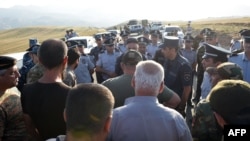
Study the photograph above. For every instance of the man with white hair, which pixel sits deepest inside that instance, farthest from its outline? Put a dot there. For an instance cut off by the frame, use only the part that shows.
(142, 117)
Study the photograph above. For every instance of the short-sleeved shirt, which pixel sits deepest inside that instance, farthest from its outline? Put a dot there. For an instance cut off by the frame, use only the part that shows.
(95, 52)
(151, 49)
(107, 62)
(69, 77)
(190, 55)
(45, 103)
(122, 48)
(144, 119)
(12, 126)
(178, 73)
(121, 89)
(82, 71)
(244, 63)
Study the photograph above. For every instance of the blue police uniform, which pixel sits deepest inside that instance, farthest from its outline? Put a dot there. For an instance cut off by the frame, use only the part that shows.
(122, 47)
(178, 73)
(152, 48)
(244, 63)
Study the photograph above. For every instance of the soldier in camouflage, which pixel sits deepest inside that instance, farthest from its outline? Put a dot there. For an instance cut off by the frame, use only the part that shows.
(204, 125)
(36, 72)
(12, 126)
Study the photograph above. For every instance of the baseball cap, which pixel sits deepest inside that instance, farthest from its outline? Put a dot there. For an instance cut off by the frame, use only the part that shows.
(7, 62)
(227, 70)
(230, 99)
(132, 57)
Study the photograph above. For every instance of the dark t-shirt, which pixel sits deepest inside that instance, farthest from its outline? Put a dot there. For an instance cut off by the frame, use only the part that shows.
(45, 103)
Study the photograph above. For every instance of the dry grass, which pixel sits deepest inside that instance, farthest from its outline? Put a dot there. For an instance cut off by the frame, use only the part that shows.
(17, 40)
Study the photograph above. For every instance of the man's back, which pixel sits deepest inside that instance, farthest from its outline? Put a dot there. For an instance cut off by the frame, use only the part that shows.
(143, 118)
(45, 103)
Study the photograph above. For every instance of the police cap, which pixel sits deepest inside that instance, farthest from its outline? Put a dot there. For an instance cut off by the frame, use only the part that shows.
(212, 51)
(171, 42)
(7, 62)
(188, 37)
(204, 30)
(143, 40)
(98, 37)
(246, 35)
(210, 34)
(132, 40)
(109, 42)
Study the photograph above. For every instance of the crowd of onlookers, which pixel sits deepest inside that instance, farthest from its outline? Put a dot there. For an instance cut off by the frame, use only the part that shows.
(134, 90)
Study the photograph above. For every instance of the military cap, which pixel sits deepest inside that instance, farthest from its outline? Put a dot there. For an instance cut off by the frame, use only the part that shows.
(205, 30)
(123, 33)
(215, 51)
(143, 40)
(109, 42)
(246, 35)
(230, 99)
(171, 42)
(132, 57)
(227, 70)
(132, 40)
(7, 62)
(188, 37)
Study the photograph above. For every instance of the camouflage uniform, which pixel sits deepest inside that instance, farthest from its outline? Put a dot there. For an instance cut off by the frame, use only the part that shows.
(35, 73)
(69, 77)
(204, 125)
(12, 127)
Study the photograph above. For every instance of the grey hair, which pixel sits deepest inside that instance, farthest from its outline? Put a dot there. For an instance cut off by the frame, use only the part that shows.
(148, 74)
(3, 71)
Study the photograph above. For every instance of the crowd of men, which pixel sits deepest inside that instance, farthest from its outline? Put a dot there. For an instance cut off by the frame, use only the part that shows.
(133, 90)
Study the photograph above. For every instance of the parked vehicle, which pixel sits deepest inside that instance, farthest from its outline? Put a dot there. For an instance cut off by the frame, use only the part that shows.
(135, 28)
(87, 41)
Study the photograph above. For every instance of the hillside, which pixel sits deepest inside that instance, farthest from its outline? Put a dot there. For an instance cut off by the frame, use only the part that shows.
(16, 40)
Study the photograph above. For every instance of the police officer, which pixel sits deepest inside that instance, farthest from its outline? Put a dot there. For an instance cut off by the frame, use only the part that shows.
(210, 37)
(178, 72)
(143, 43)
(243, 58)
(154, 45)
(27, 65)
(213, 56)
(190, 54)
(36, 72)
(107, 60)
(122, 45)
(95, 52)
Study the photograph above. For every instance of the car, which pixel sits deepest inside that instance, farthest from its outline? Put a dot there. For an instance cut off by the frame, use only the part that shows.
(18, 56)
(136, 28)
(87, 41)
(156, 26)
(169, 31)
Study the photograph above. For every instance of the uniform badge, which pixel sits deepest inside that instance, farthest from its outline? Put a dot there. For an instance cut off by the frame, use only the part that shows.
(187, 76)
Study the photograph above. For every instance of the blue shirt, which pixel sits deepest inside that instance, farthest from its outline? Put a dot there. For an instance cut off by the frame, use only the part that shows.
(178, 73)
(82, 71)
(144, 119)
(107, 62)
(152, 48)
(244, 63)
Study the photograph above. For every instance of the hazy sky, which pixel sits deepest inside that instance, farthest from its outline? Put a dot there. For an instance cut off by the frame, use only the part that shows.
(150, 9)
